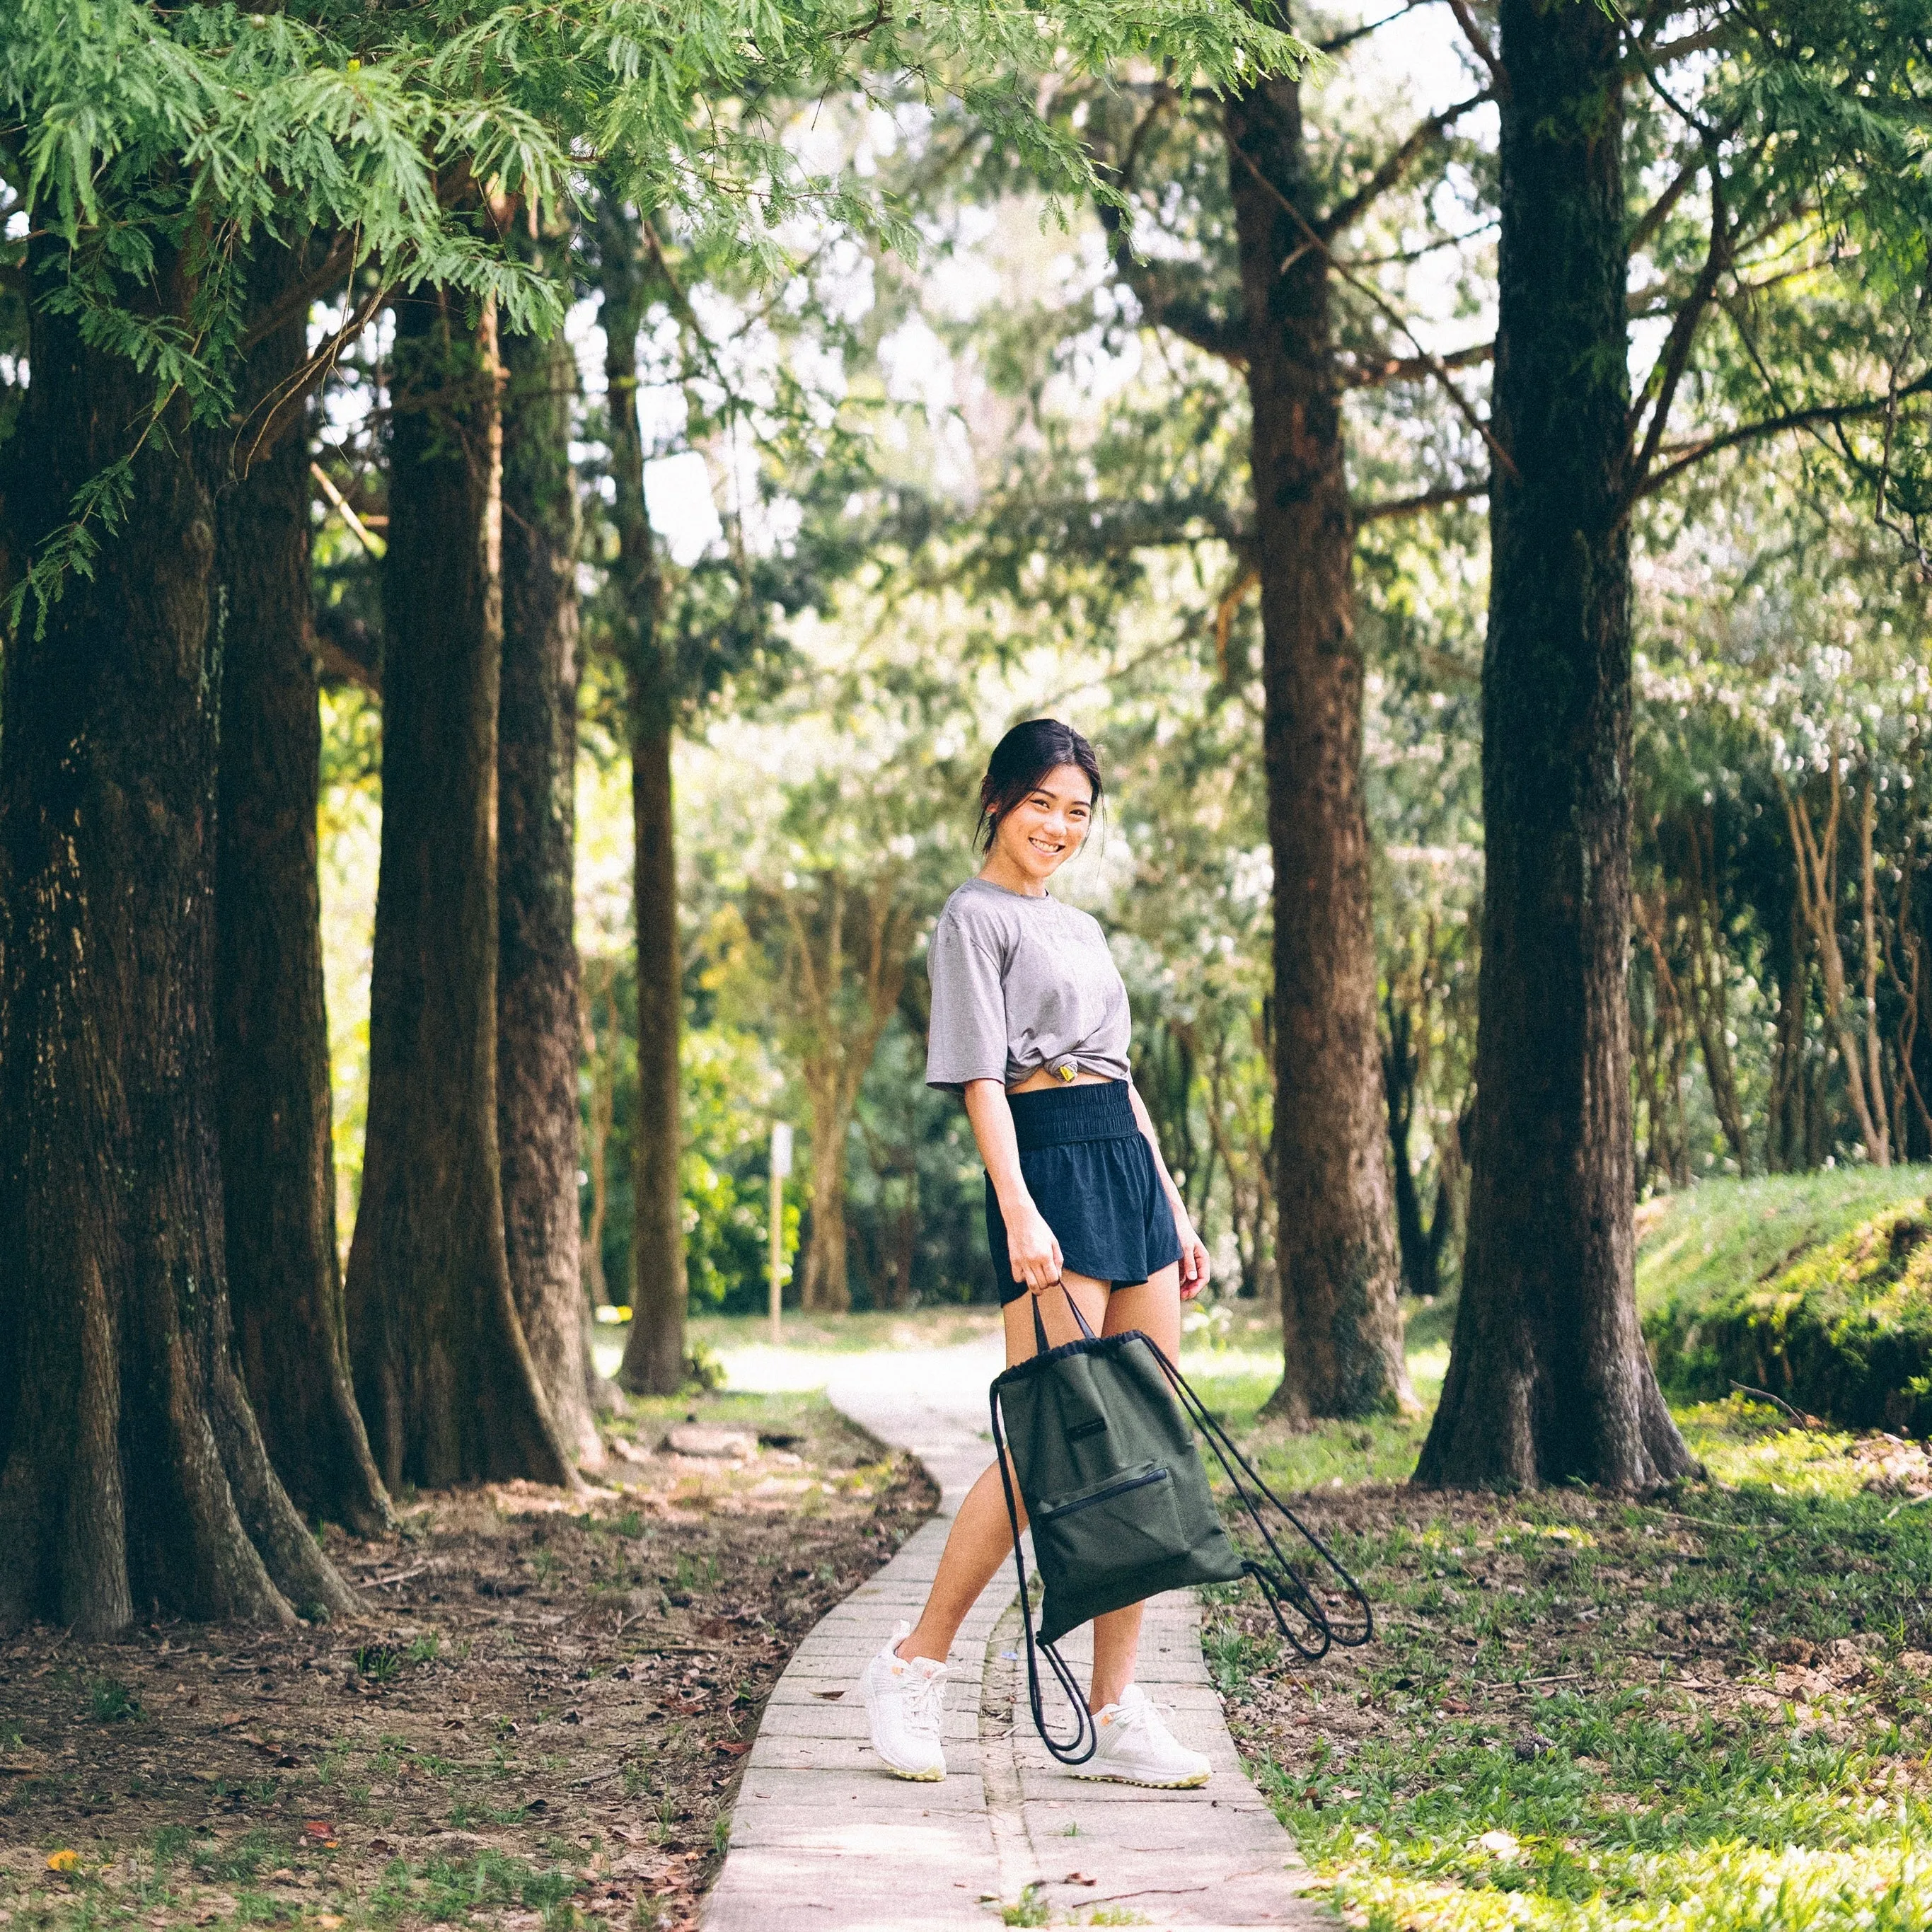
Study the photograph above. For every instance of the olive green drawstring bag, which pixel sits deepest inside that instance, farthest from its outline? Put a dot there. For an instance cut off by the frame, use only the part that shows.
(1095, 1433)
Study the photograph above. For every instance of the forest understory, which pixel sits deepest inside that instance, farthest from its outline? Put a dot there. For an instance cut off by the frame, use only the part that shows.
(540, 1722)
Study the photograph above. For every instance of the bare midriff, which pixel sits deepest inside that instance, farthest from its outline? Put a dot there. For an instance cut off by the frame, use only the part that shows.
(1045, 1076)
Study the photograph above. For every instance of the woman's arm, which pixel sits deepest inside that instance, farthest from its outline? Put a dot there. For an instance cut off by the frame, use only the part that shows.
(1193, 1254)
(1030, 1246)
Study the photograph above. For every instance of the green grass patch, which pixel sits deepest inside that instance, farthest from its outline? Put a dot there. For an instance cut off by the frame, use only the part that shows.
(1817, 1287)
(1710, 1712)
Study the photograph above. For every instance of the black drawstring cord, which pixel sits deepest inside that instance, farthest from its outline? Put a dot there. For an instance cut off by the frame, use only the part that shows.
(1084, 1734)
(1285, 1583)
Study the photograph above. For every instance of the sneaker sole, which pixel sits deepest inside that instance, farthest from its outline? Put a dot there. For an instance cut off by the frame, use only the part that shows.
(1147, 1783)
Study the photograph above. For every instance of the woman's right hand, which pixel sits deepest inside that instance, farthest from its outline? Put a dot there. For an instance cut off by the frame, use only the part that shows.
(1031, 1248)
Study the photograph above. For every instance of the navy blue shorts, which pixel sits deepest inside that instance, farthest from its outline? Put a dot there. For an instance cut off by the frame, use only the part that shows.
(1091, 1174)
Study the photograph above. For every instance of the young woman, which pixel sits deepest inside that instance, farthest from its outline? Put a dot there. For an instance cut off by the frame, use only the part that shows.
(1030, 1025)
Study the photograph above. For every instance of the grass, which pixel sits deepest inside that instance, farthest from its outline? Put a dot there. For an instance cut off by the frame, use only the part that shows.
(1697, 1245)
(1817, 1287)
(1712, 1712)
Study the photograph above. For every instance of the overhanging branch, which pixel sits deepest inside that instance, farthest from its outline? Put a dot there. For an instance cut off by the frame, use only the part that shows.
(1823, 415)
(1410, 506)
(1348, 212)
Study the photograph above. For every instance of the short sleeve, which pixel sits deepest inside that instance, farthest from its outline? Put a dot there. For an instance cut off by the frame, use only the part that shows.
(966, 1039)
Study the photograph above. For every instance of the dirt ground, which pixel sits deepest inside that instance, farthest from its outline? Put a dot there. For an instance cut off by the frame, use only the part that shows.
(540, 1722)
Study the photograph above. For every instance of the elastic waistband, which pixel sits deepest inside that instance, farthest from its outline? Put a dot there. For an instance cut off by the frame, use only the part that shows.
(1060, 1116)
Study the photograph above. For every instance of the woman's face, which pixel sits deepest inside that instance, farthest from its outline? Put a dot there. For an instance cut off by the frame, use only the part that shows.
(1041, 831)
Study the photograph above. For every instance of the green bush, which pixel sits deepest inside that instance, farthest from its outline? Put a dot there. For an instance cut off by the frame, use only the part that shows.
(1838, 1323)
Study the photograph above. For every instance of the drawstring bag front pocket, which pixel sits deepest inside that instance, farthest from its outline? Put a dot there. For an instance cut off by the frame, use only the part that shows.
(1099, 1434)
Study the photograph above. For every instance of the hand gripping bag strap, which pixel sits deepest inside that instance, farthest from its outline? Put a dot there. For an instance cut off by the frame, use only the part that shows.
(1085, 1740)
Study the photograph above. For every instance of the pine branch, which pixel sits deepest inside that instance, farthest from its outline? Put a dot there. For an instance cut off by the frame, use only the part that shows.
(1410, 506)
(1464, 407)
(1683, 334)
(1823, 415)
(1415, 368)
(1397, 163)
(1477, 39)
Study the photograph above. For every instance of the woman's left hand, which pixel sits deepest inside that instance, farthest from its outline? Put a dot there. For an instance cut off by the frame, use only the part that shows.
(1193, 1256)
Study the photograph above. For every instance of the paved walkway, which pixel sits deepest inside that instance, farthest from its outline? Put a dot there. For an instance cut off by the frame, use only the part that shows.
(823, 1837)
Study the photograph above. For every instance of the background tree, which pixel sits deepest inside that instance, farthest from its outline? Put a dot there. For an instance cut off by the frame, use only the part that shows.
(1548, 1379)
(539, 997)
(277, 1156)
(134, 1471)
(443, 1371)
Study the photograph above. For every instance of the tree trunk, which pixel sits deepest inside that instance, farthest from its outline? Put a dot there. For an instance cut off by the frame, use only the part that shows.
(826, 1286)
(1784, 1117)
(654, 1352)
(277, 1157)
(538, 1027)
(1341, 1326)
(132, 1473)
(442, 1371)
(1400, 1071)
(1548, 1379)
(597, 981)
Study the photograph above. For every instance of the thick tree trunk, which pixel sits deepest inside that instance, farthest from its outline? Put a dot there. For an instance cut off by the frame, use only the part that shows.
(277, 1158)
(538, 1024)
(1342, 1325)
(1548, 1379)
(442, 1371)
(654, 1352)
(133, 1474)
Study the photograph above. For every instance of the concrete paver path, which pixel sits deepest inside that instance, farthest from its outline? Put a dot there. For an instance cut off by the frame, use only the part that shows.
(824, 1836)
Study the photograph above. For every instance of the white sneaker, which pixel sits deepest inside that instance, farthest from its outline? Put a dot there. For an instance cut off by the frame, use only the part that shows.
(1133, 1746)
(904, 1699)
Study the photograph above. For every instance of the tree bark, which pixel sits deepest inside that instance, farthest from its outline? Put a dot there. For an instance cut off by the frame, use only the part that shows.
(1341, 1325)
(278, 1157)
(825, 1285)
(1419, 1244)
(538, 1024)
(443, 1372)
(1548, 1380)
(133, 1474)
(654, 1351)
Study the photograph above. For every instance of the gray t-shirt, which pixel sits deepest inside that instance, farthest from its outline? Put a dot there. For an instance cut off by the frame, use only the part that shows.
(1019, 983)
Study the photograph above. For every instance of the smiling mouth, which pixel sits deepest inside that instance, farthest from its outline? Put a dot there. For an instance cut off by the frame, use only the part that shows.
(1050, 851)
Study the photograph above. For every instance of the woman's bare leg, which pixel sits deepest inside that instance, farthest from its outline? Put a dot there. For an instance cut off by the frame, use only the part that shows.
(981, 1539)
(1153, 1306)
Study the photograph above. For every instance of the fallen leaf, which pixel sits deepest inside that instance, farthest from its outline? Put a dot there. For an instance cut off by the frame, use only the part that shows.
(1078, 1878)
(830, 1696)
(228, 1719)
(737, 1750)
(1502, 1843)
(328, 1921)
(63, 1861)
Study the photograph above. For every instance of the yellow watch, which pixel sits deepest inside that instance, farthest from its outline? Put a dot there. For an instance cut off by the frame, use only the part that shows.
(1067, 1069)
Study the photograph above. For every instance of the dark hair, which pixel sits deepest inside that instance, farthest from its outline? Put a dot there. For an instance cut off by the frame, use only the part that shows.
(1022, 759)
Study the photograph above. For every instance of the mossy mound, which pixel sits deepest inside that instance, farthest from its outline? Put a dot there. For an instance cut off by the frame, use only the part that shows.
(1842, 1329)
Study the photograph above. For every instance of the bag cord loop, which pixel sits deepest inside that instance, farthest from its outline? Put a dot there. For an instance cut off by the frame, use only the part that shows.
(1281, 1585)
(1086, 1740)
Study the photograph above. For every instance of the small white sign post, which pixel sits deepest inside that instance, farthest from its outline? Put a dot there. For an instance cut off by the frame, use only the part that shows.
(781, 1168)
